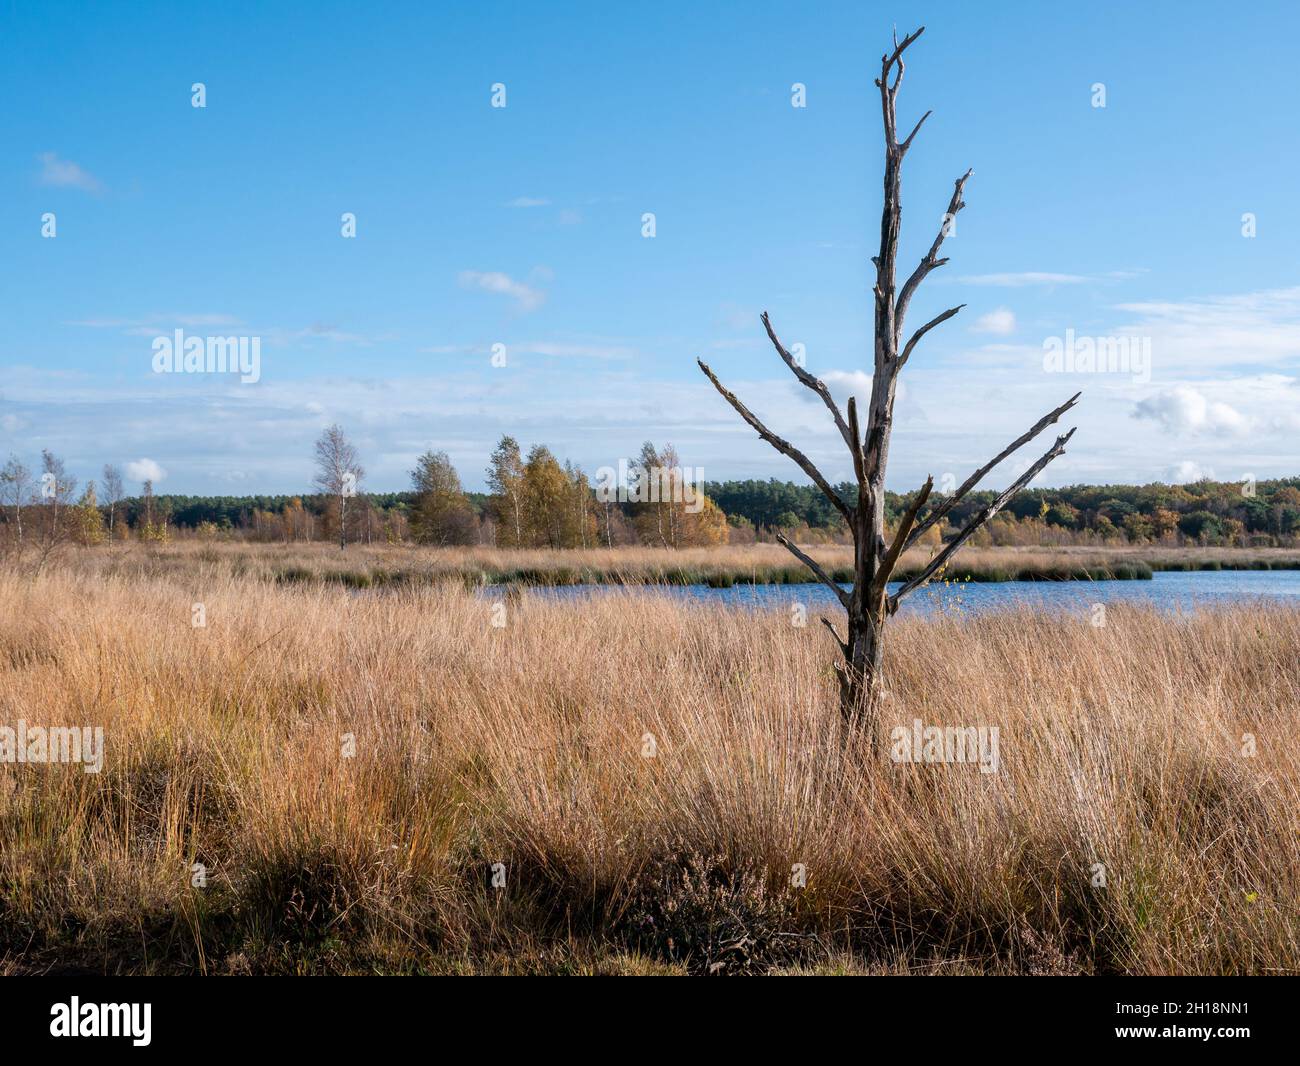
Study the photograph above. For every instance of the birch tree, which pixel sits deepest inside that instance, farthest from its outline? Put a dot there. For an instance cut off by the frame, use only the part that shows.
(15, 488)
(113, 494)
(505, 478)
(338, 474)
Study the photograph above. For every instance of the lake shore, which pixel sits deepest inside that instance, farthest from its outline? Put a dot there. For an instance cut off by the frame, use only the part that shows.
(369, 566)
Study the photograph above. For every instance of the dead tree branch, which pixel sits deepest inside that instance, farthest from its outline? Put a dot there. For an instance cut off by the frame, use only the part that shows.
(955, 498)
(931, 260)
(899, 545)
(779, 443)
(937, 320)
(816, 568)
(978, 520)
(816, 384)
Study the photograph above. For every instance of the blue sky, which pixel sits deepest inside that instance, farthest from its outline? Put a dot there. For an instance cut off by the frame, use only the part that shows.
(522, 226)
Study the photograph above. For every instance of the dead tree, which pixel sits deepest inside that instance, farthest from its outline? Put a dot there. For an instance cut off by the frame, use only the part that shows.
(868, 603)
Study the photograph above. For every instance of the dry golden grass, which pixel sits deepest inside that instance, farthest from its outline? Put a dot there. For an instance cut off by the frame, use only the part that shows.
(524, 745)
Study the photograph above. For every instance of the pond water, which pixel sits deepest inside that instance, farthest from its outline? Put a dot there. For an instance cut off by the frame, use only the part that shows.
(1172, 590)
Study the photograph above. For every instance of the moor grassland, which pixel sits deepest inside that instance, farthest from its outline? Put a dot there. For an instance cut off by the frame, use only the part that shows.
(382, 780)
(379, 564)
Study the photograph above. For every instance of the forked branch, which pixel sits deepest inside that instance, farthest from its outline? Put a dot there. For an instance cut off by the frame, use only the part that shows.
(955, 498)
(978, 520)
(896, 57)
(931, 260)
(907, 143)
(816, 384)
(889, 93)
(937, 320)
(780, 444)
(844, 644)
(816, 568)
(855, 431)
(900, 537)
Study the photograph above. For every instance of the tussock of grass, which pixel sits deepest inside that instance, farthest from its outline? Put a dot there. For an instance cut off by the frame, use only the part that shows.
(524, 746)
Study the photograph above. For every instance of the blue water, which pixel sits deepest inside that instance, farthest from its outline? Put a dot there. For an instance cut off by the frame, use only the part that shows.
(1171, 590)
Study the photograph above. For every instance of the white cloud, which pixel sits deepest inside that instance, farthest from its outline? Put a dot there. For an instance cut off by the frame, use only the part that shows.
(1028, 277)
(855, 383)
(958, 411)
(319, 331)
(1002, 322)
(145, 470)
(945, 423)
(1188, 471)
(1184, 410)
(62, 173)
(157, 320)
(1042, 277)
(155, 323)
(1257, 328)
(553, 349)
(528, 201)
(579, 351)
(525, 296)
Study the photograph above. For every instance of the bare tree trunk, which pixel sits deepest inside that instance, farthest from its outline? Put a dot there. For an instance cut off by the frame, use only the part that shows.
(859, 675)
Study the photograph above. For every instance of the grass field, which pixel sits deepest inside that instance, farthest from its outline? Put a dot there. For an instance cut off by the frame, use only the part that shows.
(391, 783)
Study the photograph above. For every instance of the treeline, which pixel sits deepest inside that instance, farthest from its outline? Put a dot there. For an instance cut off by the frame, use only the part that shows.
(1251, 514)
(537, 501)
(1205, 512)
(229, 512)
(778, 505)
